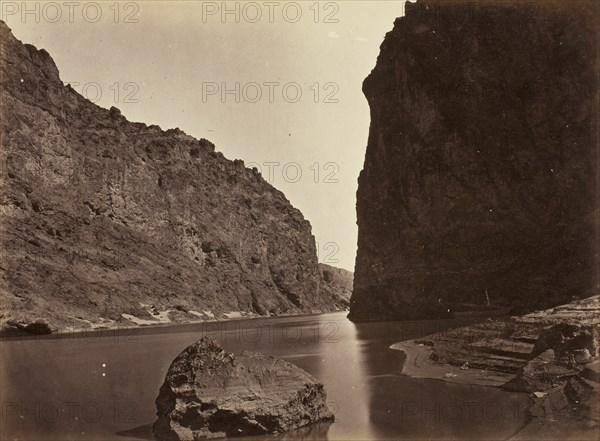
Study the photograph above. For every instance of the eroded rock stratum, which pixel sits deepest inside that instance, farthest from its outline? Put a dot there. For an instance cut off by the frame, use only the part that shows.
(481, 173)
(102, 217)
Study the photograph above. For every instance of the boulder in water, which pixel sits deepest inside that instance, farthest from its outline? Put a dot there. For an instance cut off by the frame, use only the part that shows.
(209, 393)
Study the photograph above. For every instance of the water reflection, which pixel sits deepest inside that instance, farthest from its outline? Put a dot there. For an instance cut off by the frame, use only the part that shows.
(103, 388)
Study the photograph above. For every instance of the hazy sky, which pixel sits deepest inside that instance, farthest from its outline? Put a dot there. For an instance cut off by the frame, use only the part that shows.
(298, 69)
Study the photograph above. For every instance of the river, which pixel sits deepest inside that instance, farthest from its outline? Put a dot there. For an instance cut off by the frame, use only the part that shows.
(102, 386)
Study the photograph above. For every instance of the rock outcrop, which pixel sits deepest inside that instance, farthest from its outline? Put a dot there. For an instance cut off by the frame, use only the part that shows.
(209, 393)
(508, 345)
(552, 354)
(481, 173)
(107, 221)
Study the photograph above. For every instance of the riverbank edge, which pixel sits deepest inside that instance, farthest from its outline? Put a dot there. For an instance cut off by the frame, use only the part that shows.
(541, 423)
(418, 364)
(123, 328)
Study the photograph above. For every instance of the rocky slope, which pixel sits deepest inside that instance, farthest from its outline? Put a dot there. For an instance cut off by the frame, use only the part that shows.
(337, 282)
(107, 221)
(209, 393)
(481, 172)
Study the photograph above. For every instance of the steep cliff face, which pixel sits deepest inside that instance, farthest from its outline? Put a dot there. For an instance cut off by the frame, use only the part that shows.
(102, 217)
(337, 282)
(481, 173)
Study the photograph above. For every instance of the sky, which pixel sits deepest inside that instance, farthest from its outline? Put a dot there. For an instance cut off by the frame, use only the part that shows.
(277, 84)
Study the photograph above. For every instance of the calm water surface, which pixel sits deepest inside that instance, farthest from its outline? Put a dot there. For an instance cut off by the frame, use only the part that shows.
(103, 386)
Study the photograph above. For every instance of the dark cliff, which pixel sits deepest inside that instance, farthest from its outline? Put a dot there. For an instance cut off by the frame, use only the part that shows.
(102, 217)
(481, 173)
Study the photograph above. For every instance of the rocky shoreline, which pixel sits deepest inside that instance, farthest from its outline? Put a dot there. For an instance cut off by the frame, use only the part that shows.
(336, 282)
(553, 355)
(18, 330)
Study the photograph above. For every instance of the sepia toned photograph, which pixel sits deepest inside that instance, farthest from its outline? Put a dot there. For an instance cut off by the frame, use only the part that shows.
(347, 220)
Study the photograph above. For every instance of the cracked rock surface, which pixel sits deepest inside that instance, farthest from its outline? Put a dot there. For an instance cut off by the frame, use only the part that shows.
(209, 393)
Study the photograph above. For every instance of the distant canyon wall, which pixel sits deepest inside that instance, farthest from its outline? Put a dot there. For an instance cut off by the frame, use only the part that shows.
(480, 178)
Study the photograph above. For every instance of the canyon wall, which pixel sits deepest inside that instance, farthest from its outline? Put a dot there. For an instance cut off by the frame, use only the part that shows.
(105, 221)
(338, 282)
(480, 181)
